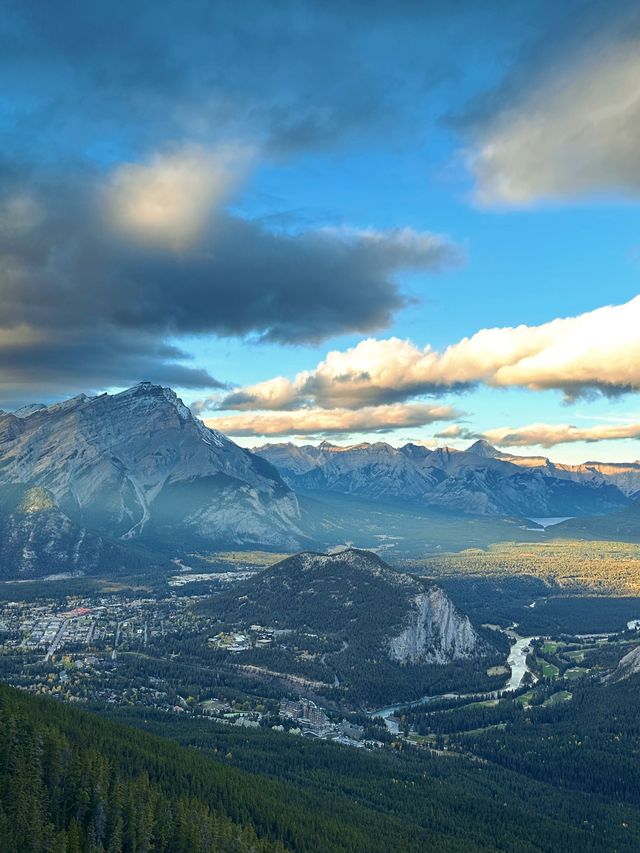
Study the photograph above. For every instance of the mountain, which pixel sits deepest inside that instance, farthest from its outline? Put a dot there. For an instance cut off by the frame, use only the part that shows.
(38, 540)
(479, 480)
(356, 594)
(374, 470)
(139, 466)
(624, 475)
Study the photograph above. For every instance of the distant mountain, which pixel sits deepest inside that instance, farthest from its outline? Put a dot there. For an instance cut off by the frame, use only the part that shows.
(624, 475)
(357, 596)
(480, 480)
(139, 466)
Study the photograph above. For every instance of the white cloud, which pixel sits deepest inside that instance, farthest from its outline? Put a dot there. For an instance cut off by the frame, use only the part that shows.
(453, 431)
(169, 200)
(332, 421)
(596, 351)
(548, 435)
(576, 132)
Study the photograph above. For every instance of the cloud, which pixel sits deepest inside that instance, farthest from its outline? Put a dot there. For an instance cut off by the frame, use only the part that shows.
(453, 431)
(153, 258)
(548, 435)
(38, 364)
(595, 352)
(169, 200)
(292, 76)
(332, 421)
(575, 132)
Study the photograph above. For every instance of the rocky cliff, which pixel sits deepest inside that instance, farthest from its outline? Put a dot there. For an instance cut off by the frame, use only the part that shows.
(436, 632)
(628, 666)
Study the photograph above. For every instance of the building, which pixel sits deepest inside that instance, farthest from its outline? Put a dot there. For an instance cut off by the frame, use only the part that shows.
(306, 713)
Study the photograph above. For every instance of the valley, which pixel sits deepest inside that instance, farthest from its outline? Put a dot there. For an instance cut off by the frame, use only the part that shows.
(191, 654)
(428, 615)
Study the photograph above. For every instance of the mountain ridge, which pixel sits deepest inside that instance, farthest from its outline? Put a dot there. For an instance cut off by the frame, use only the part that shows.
(479, 480)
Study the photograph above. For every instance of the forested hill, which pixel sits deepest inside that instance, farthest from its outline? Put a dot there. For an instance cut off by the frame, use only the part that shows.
(72, 782)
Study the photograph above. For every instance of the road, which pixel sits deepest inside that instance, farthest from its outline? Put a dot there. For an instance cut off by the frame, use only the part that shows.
(115, 645)
(56, 641)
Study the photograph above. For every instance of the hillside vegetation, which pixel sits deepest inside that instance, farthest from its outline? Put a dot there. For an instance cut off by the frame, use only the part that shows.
(607, 568)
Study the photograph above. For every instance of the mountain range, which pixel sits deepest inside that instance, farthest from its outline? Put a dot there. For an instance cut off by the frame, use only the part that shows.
(479, 480)
(83, 479)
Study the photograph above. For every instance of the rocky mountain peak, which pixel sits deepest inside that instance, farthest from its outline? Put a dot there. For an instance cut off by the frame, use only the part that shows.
(117, 461)
(481, 447)
(30, 409)
(415, 451)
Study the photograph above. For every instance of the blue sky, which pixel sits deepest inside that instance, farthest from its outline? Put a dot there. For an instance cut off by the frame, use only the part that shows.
(216, 201)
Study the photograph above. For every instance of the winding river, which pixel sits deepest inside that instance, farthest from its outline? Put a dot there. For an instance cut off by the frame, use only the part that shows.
(517, 660)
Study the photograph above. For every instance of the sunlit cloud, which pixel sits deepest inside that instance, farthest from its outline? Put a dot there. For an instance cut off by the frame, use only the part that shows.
(598, 351)
(577, 132)
(332, 421)
(549, 435)
(170, 199)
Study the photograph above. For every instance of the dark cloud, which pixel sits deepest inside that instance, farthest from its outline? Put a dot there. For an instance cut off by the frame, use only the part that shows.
(95, 304)
(66, 362)
(243, 279)
(101, 80)
(101, 77)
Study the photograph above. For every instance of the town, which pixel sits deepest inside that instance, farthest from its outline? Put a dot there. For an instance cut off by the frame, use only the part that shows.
(104, 650)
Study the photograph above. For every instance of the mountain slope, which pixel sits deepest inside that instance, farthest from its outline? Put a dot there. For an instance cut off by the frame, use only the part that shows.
(71, 782)
(38, 540)
(127, 464)
(356, 594)
(364, 633)
(480, 480)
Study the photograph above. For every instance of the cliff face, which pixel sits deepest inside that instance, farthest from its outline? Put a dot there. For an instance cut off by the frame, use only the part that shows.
(436, 632)
(628, 666)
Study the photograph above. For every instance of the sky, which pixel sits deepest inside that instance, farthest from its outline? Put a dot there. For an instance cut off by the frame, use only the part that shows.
(408, 221)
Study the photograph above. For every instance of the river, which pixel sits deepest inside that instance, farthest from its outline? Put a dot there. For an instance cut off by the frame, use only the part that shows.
(517, 660)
